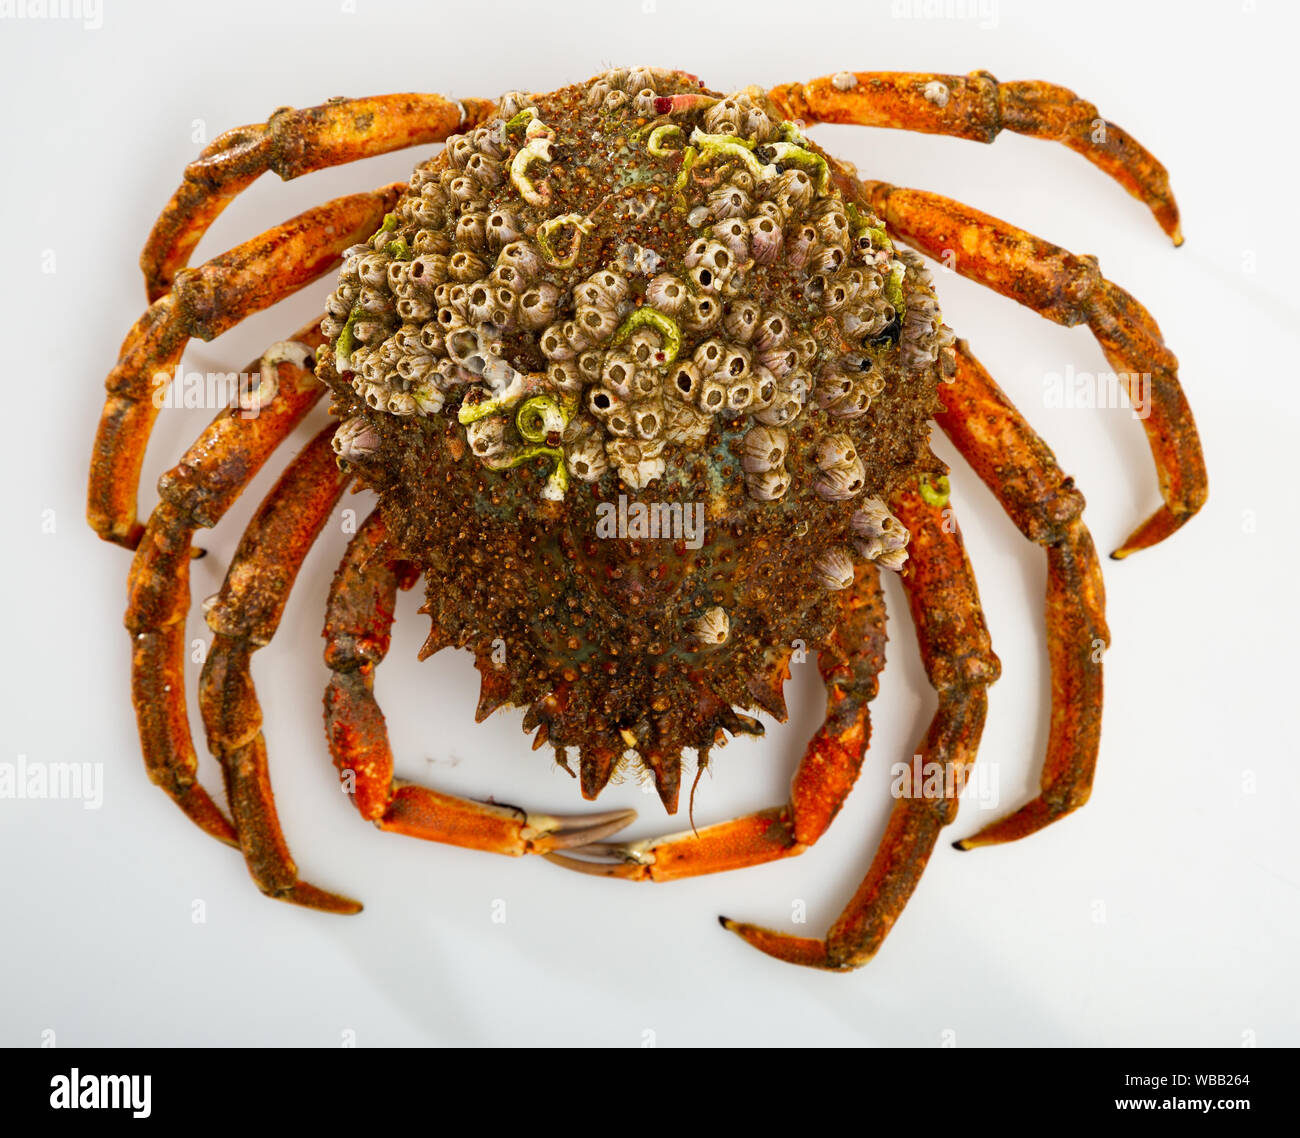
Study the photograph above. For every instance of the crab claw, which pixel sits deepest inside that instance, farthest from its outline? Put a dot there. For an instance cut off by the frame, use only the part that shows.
(629, 860)
(544, 832)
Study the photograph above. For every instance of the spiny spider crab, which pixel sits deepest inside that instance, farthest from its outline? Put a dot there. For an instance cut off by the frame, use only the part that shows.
(636, 289)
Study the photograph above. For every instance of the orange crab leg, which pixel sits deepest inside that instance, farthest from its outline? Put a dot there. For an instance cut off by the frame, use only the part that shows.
(291, 143)
(850, 662)
(960, 664)
(979, 108)
(196, 492)
(1021, 471)
(1069, 290)
(244, 616)
(357, 633)
(207, 301)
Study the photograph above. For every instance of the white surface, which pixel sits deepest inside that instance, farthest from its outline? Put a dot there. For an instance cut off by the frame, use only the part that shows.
(1195, 876)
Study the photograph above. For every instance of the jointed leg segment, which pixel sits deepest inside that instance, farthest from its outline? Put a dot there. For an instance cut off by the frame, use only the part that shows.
(205, 302)
(357, 632)
(1069, 290)
(978, 107)
(291, 143)
(244, 616)
(1021, 471)
(960, 664)
(197, 492)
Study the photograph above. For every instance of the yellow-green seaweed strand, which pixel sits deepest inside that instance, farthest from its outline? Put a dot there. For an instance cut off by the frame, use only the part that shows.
(655, 143)
(934, 492)
(791, 154)
(538, 416)
(345, 343)
(679, 186)
(893, 289)
(522, 118)
(558, 480)
(549, 226)
(669, 333)
(536, 420)
(730, 146)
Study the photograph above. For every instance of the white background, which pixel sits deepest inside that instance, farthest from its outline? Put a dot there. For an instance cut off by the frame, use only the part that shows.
(1165, 913)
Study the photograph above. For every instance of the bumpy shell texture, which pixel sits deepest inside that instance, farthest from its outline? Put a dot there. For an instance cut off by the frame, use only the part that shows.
(633, 369)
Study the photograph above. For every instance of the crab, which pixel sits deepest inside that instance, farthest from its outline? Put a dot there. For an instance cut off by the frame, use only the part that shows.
(643, 380)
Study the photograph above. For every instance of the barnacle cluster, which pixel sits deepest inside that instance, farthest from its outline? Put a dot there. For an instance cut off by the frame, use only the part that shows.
(485, 288)
(649, 288)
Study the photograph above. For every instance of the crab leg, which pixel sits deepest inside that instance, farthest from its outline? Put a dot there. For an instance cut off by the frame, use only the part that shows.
(291, 143)
(960, 664)
(850, 662)
(1069, 290)
(244, 616)
(1021, 471)
(979, 108)
(197, 492)
(206, 302)
(358, 625)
